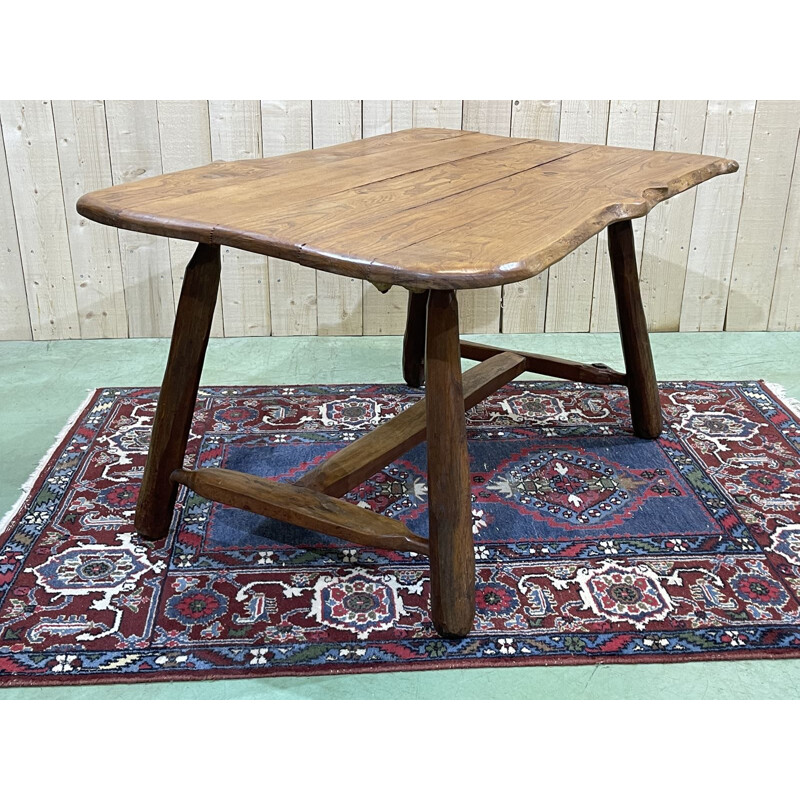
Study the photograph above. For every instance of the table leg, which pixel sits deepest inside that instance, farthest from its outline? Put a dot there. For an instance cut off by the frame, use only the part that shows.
(414, 339)
(641, 375)
(452, 554)
(178, 394)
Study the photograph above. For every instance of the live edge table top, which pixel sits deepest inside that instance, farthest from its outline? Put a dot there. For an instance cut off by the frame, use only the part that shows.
(421, 208)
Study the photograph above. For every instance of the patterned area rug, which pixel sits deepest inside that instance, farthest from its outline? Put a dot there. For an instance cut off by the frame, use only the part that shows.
(591, 545)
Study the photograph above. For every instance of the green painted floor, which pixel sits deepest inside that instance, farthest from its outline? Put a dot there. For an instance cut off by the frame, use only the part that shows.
(43, 383)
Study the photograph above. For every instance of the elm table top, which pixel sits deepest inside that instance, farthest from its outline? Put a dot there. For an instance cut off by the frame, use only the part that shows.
(423, 208)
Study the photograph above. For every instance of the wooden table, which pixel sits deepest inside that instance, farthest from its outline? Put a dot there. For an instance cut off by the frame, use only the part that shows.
(431, 210)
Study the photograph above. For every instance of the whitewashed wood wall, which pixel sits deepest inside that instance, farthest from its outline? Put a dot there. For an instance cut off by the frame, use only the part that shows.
(725, 256)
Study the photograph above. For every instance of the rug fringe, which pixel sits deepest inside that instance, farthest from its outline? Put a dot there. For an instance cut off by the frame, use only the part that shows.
(779, 390)
(34, 476)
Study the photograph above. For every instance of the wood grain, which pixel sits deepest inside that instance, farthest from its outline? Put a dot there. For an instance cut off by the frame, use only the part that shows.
(631, 123)
(480, 310)
(666, 242)
(384, 312)
(452, 554)
(784, 313)
(437, 114)
(85, 165)
(729, 129)
(639, 370)
(386, 116)
(299, 506)
(548, 365)
(761, 221)
(38, 203)
(135, 150)
(571, 283)
(460, 212)
(414, 339)
(176, 400)
(184, 132)
(286, 128)
(525, 302)
(236, 135)
(15, 322)
(339, 304)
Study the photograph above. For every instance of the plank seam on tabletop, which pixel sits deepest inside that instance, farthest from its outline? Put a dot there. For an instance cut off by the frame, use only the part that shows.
(480, 310)
(350, 322)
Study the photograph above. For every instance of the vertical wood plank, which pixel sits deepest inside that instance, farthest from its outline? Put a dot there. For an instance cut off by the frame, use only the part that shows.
(15, 322)
(784, 312)
(570, 282)
(487, 116)
(525, 302)
(384, 313)
(729, 127)
(339, 303)
(681, 124)
(85, 165)
(286, 128)
(766, 194)
(479, 309)
(146, 268)
(235, 135)
(185, 136)
(35, 179)
(385, 116)
(437, 114)
(631, 123)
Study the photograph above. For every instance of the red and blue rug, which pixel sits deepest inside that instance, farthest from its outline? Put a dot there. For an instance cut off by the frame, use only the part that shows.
(591, 545)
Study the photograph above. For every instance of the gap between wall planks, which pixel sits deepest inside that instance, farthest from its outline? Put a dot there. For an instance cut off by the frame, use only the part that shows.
(286, 128)
(135, 150)
(726, 255)
(41, 224)
(15, 321)
(773, 151)
(570, 283)
(339, 298)
(235, 135)
(179, 151)
(681, 125)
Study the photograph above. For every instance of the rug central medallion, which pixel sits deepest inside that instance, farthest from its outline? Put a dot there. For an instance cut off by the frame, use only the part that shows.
(570, 487)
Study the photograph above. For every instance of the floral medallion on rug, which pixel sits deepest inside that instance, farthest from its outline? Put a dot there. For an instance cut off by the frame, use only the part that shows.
(591, 545)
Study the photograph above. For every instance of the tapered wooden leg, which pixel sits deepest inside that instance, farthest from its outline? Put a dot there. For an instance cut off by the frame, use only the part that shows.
(178, 392)
(452, 555)
(414, 339)
(641, 375)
